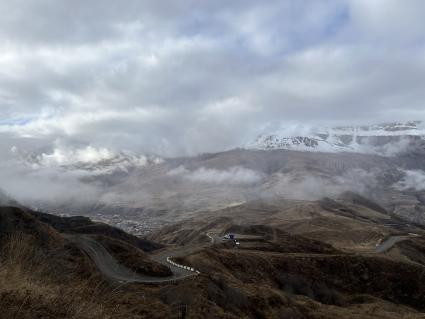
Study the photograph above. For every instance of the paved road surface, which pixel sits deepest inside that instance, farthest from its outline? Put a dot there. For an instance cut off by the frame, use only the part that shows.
(111, 269)
(389, 243)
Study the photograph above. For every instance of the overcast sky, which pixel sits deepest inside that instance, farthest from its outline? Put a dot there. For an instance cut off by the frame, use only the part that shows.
(188, 76)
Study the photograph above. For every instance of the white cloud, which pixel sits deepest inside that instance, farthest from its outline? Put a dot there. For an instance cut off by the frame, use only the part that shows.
(180, 170)
(413, 179)
(48, 184)
(301, 185)
(232, 176)
(69, 157)
(189, 77)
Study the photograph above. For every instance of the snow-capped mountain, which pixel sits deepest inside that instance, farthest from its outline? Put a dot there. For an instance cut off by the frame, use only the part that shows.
(384, 139)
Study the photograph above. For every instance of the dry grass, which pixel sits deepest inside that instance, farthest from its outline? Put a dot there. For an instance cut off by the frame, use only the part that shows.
(26, 290)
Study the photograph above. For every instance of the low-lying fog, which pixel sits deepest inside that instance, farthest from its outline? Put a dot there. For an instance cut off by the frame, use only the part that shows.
(89, 176)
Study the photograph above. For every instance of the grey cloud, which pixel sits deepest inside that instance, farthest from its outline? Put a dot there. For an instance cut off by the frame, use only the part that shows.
(49, 184)
(388, 21)
(187, 77)
(313, 187)
(413, 179)
(232, 176)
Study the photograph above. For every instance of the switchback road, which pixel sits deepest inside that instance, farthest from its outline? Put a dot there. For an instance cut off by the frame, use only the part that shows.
(112, 270)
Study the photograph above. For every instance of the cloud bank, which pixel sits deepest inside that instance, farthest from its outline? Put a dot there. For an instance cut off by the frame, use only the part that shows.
(305, 186)
(412, 180)
(47, 185)
(189, 77)
(236, 175)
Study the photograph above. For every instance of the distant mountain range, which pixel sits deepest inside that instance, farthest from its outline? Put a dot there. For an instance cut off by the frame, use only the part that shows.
(384, 139)
(141, 192)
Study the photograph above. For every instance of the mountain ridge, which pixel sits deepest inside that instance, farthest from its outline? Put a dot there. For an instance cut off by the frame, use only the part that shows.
(384, 139)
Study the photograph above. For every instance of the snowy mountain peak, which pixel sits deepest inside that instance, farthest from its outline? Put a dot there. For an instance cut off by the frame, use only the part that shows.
(383, 139)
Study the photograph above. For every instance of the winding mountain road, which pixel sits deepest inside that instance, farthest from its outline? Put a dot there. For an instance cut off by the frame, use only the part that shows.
(112, 270)
(389, 243)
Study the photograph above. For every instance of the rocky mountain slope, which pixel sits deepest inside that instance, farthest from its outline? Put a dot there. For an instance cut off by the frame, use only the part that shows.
(295, 259)
(148, 197)
(321, 234)
(140, 196)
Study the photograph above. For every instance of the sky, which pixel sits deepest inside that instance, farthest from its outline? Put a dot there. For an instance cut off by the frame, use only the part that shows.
(184, 77)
